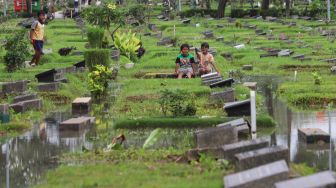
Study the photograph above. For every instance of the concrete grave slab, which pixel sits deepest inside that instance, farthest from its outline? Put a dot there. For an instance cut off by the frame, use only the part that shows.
(216, 136)
(313, 135)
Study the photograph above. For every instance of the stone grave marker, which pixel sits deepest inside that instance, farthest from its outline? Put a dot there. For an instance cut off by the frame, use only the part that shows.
(14, 87)
(238, 108)
(75, 124)
(333, 69)
(221, 38)
(220, 26)
(261, 176)
(81, 106)
(223, 96)
(52, 75)
(247, 67)
(324, 179)
(282, 36)
(329, 60)
(49, 87)
(24, 97)
(230, 150)
(186, 21)
(208, 34)
(313, 135)
(152, 27)
(251, 85)
(115, 55)
(80, 64)
(285, 52)
(20, 107)
(242, 126)
(165, 41)
(216, 136)
(254, 158)
(223, 83)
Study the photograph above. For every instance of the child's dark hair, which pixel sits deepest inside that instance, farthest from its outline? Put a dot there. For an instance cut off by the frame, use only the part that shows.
(205, 45)
(40, 13)
(184, 46)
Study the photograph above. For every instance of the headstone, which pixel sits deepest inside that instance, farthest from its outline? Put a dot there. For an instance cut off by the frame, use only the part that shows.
(259, 157)
(75, 124)
(160, 17)
(216, 136)
(24, 98)
(223, 96)
(220, 26)
(81, 106)
(52, 75)
(285, 52)
(115, 55)
(247, 67)
(271, 19)
(239, 108)
(262, 176)
(204, 76)
(152, 27)
(208, 34)
(165, 41)
(80, 64)
(242, 126)
(299, 57)
(147, 34)
(219, 38)
(239, 46)
(14, 87)
(251, 85)
(186, 21)
(208, 82)
(313, 135)
(295, 17)
(4, 113)
(49, 87)
(231, 20)
(227, 56)
(224, 83)
(319, 180)
(282, 36)
(20, 107)
(230, 150)
(305, 18)
(333, 69)
(329, 60)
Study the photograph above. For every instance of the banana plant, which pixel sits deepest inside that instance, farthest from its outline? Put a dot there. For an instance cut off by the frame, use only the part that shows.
(128, 44)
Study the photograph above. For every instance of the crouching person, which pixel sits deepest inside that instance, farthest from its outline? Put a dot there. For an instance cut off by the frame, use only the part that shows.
(185, 63)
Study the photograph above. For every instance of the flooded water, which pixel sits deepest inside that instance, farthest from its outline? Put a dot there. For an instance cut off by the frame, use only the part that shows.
(24, 160)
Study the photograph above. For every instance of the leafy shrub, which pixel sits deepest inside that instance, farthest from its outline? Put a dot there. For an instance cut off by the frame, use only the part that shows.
(98, 80)
(177, 102)
(317, 78)
(271, 12)
(17, 51)
(264, 120)
(95, 37)
(97, 57)
(128, 44)
(46, 59)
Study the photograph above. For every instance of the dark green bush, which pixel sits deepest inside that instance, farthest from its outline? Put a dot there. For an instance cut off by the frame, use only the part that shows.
(177, 103)
(198, 12)
(239, 13)
(264, 120)
(271, 12)
(17, 51)
(156, 122)
(95, 37)
(97, 57)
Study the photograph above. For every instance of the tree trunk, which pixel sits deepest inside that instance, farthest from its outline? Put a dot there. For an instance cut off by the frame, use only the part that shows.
(221, 8)
(265, 4)
(287, 8)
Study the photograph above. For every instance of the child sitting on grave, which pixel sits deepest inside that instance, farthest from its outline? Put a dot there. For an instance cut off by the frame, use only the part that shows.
(185, 63)
(206, 60)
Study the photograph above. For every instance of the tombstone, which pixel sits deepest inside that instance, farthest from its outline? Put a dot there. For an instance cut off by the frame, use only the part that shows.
(306, 18)
(251, 85)
(282, 36)
(239, 46)
(24, 98)
(292, 24)
(247, 67)
(210, 75)
(208, 82)
(216, 136)
(186, 21)
(329, 60)
(14, 87)
(313, 135)
(20, 107)
(230, 150)
(212, 78)
(260, 32)
(152, 27)
(231, 20)
(299, 57)
(224, 83)
(333, 69)
(115, 55)
(215, 152)
(4, 113)
(239, 108)
(251, 159)
(271, 37)
(242, 126)
(161, 17)
(219, 39)
(271, 19)
(318, 180)
(220, 26)
(285, 52)
(75, 124)
(165, 41)
(49, 87)
(47, 51)
(295, 17)
(81, 106)
(227, 56)
(261, 176)
(80, 64)
(52, 75)
(208, 34)
(324, 33)
(67, 70)
(147, 34)
(223, 96)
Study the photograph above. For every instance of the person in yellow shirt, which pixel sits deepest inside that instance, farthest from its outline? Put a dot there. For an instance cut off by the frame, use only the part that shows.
(37, 38)
(207, 61)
